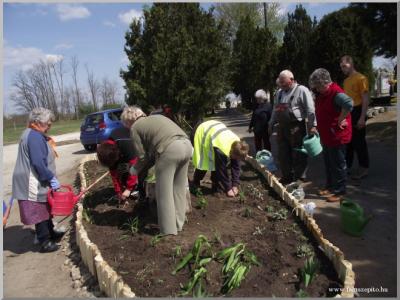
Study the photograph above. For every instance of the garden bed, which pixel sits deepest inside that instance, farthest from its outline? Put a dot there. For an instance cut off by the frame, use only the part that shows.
(259, 219)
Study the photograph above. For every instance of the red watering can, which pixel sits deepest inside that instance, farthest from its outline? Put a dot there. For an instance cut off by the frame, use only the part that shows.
(62, 202)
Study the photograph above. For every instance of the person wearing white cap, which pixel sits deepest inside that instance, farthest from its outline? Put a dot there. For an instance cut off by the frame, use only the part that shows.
(259, 121)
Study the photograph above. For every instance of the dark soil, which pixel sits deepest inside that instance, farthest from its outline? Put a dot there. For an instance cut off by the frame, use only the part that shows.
(147, 268)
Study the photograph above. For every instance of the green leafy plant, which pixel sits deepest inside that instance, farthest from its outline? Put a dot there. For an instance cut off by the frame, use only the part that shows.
(248, 213)
(269, 209)
(155, 240)
(177, 251)
(258, 231)
(201, 203)
(198, 257)
(280, 214)
(217, 237)
(304, 250)
(132, 225)
(309, 270)
(301, 294)
(242, 197)
(237, 261)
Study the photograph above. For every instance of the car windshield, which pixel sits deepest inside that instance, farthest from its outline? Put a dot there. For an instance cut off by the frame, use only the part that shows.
(115, 115)
(94, 119)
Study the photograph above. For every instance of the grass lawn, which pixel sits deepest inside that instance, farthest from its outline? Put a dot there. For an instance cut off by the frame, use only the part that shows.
(11, 135)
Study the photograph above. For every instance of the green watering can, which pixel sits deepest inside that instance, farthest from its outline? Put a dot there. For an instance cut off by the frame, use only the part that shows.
(352, 217)
(311, 145)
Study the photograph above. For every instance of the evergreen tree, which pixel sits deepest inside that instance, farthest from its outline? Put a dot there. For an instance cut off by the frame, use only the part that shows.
(381, 21)
(178, 56)
(337, 34)
(295, 51)
(254, 60)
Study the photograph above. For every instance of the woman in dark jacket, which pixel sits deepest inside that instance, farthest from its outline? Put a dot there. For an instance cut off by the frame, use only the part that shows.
(259, 121)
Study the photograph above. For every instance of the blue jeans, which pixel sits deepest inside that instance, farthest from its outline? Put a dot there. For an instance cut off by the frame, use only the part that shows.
(335, 168)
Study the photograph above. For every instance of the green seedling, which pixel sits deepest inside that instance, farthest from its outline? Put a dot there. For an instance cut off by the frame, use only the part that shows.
(301, 294)
(304, 250)
(197, 192)
(177, 251)
(280, 214)
(199, 291)
(87, 216)
(302, 238)
(269, 209)
(123, 237)
(198, 274)
(242, 197)
(201, 203)
(155, 240)
(258, 231)
(309, 270)
(132, 225)
(248, 213)
(217, 237)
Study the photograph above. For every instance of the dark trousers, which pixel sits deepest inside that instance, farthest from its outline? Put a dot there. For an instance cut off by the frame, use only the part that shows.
(335, 168)
(293, 163)
(220, 177)
(44, 230)
(261, 141)
(358, 143)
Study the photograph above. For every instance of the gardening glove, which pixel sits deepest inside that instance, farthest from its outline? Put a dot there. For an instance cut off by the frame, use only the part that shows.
(230, 193)
(55, 185)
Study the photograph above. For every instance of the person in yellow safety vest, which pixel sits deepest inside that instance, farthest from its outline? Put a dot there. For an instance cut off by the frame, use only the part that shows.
(215, 148)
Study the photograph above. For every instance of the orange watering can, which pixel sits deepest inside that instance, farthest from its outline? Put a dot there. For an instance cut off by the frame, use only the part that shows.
(62, 202)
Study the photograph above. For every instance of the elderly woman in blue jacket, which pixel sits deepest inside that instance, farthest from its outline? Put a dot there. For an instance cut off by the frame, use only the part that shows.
(34, 173)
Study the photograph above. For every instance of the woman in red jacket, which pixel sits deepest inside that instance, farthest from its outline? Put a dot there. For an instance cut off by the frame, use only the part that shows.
(332, 108)
(116, 153)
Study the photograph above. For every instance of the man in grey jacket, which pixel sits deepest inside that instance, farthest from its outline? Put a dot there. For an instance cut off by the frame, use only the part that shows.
(294, 112)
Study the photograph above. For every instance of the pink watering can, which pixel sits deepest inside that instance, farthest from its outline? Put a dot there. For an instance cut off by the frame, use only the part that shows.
(63, 200)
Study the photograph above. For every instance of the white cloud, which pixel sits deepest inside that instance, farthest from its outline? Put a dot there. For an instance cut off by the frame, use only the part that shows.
(63, 46)
(70, 11)
(25, 58)
(127, 16)
(109, 24)
(124, 60)
(283, 8)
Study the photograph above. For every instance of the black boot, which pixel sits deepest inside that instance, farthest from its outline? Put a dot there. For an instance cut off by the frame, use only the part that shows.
(48, 246)
(56, 235)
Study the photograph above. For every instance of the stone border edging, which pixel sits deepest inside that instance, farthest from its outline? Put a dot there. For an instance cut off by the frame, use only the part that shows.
(113, 285)
(335, 255)
(109, 281)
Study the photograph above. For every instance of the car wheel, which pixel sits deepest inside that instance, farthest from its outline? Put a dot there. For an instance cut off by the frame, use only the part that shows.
(91, 147)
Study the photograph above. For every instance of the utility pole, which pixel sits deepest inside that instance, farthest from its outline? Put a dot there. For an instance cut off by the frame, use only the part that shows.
(265, 14)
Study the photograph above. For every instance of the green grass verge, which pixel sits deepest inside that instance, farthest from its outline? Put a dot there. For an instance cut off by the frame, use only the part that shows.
(11, 135)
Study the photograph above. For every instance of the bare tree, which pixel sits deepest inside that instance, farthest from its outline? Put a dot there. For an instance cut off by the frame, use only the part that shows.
(108, 91)
(35, 87)
(77, 92)
(94, 87)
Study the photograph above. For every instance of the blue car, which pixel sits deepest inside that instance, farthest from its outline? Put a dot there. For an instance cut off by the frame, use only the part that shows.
(97, 127)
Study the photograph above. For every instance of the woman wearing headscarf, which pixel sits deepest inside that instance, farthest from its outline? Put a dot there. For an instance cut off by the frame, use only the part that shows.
(159, 141)
(34, 173)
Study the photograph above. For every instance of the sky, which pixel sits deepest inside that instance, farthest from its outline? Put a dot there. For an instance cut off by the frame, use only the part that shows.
(93, 32)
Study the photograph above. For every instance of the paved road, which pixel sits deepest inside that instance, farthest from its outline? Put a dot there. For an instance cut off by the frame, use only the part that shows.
(27, 273)
(374, 256)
